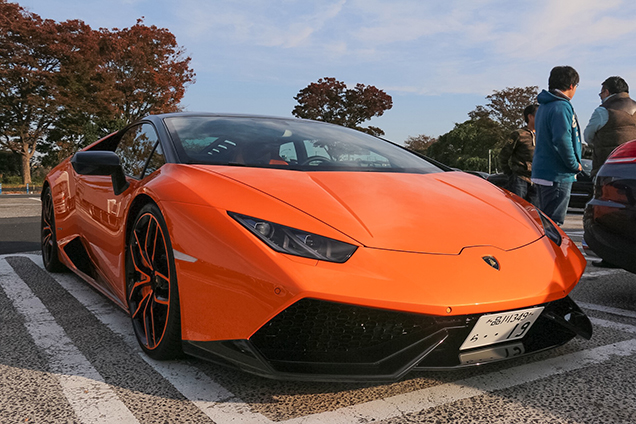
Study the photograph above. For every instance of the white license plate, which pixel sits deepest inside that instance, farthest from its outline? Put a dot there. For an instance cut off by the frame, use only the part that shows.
(491, 354)
(502, 327)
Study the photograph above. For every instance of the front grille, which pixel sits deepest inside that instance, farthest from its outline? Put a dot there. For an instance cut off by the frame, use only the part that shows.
(316, 330)
(326, 341)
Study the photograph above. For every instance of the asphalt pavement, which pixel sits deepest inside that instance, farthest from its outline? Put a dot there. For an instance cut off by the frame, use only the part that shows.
(19, 223)
(68, 354)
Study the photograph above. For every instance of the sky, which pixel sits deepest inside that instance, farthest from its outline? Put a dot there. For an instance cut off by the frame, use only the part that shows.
(437, 59)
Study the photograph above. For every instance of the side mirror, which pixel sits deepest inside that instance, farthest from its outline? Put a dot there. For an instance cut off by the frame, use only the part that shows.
(101, 162)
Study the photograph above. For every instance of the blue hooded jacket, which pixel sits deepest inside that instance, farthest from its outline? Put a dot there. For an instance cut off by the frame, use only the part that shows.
(557, 154)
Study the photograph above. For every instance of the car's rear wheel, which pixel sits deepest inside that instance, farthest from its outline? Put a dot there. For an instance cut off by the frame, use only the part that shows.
(151, 286)
(48, 238)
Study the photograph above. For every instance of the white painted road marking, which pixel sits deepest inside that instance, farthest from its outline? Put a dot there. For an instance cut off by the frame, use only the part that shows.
(211, 398)
(608, 309)
(91, 398)
(223, 407)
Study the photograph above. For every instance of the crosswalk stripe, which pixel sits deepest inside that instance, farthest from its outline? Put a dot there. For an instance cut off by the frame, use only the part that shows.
(210, 397)
(608, 309)
(613, 325)
(602, 273)
(223, 407)
(91, 398)
(425, 399)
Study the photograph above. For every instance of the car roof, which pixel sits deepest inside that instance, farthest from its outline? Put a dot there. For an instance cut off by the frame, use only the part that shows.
(161, 116)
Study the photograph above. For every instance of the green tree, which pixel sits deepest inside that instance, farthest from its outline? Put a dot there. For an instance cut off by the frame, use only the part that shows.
(471, 144)
(506, 106)
(9, 164)
(330, 100)
(467, 145)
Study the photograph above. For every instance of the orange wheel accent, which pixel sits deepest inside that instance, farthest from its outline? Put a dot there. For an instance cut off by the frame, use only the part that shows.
(149, 293)
(47, 232)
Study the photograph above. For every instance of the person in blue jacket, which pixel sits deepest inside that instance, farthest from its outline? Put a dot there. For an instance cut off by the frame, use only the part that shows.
(557, 154)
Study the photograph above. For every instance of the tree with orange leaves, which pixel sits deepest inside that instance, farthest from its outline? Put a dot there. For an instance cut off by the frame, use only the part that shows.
(64, 85)
(137, 71)
(330, 100)
(27, 74)
(149, 69)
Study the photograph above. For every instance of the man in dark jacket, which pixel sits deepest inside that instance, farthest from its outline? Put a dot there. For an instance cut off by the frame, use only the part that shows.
(557, 155)
(516, 158)
(611, 124)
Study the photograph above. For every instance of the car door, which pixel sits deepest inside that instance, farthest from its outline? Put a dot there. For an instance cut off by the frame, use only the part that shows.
(104, 212)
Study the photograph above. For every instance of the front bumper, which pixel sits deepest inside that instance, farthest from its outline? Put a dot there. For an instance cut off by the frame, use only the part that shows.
(613, 248)
(327, 341)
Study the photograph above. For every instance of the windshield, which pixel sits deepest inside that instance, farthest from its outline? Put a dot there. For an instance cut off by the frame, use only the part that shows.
(287, 144)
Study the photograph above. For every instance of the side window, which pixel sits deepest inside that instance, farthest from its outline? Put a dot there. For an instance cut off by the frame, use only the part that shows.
(156, 161)
(135, 147)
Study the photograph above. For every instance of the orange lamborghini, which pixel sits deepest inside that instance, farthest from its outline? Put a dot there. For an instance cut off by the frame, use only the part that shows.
(297, 249)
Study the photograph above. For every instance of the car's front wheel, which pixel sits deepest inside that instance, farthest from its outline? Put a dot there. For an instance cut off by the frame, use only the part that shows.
(48, 238)
(151, 286)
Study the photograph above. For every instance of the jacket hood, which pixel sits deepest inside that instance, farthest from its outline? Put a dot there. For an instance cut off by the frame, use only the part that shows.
(549, 97)
(438, 213)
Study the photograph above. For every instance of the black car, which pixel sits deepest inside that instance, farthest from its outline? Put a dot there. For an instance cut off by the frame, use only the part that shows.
(609, 219)
(582, 188)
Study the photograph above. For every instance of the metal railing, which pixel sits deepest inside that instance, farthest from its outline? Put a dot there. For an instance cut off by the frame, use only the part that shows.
(20, 189)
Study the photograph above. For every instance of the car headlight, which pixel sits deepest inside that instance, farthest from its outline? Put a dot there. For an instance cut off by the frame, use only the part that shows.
(296, 242)
(550, 229)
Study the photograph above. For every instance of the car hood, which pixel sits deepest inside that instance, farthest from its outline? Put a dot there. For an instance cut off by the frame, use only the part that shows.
(438, 213)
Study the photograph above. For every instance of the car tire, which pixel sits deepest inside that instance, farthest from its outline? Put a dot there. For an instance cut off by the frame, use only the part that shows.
(151, 286)
(48, 237)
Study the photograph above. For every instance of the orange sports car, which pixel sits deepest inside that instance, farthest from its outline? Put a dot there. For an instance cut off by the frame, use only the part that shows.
(298, 249)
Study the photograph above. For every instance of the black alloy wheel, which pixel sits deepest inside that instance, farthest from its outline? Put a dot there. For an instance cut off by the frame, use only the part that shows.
(48, 238)
(151, 286)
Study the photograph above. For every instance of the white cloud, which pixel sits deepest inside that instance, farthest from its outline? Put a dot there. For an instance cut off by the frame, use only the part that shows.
(282, 23)
(568, 27)
(411, 48)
